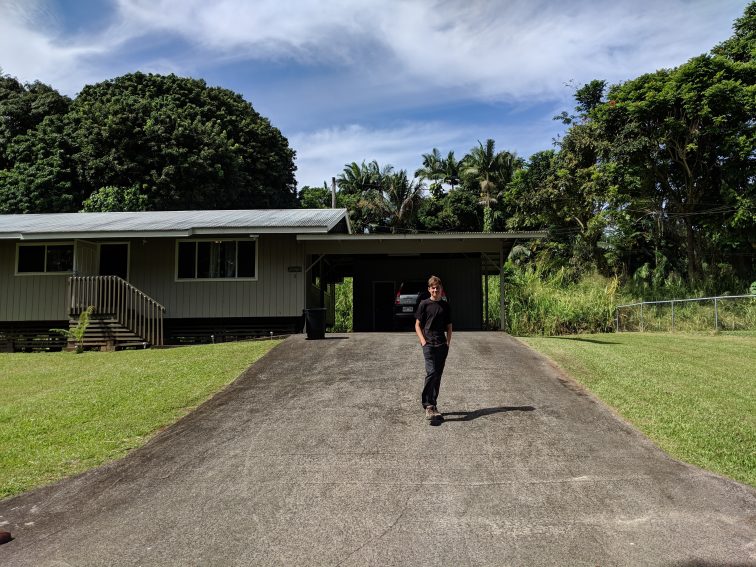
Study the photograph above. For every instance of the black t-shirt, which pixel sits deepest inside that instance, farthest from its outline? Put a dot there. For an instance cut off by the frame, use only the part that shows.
(434, 316)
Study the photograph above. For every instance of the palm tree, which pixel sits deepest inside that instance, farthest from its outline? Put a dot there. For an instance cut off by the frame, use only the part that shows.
(432, 170)
(450, 169)
(358, 179)
(398, 200)
(492, 171)
(439, 171)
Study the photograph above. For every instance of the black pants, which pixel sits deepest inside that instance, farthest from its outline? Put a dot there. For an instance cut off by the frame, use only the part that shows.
(435, 359)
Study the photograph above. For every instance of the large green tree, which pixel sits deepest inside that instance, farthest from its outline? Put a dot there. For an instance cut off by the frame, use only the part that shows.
(455, 211)
(36, 170)
(682, 142)
(741, 46)
(41, 175)
(315, 197)
(22, 109)
(180, 143)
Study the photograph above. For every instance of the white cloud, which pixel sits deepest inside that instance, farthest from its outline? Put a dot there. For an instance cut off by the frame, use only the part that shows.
(505, 51)
(514, 50)
(526, 49)
(30, 45)
(322, 154)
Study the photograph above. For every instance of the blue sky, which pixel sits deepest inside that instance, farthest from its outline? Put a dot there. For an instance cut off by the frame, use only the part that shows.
(354, 80)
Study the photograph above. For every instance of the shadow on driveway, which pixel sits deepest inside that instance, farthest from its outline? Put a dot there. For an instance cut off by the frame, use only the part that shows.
(475, 414)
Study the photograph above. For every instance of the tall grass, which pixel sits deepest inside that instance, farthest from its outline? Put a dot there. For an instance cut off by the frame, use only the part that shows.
(494, 302)
(737, 314)
(344, 302)
(541, 303)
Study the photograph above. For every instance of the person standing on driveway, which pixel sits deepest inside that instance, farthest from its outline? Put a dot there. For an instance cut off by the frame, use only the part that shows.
(433, 326)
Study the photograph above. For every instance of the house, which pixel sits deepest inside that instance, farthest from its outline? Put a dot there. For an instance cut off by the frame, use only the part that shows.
(165, 277)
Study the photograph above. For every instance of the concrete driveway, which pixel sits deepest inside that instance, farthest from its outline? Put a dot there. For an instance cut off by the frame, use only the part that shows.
(320, 455)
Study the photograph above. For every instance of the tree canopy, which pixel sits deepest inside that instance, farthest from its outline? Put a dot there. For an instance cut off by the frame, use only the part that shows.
(140, 141)
(654, 177)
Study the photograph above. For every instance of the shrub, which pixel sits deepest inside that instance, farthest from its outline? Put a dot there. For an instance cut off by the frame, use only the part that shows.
(76, 333)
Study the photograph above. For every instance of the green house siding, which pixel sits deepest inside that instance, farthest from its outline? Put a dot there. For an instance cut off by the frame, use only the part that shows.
(276, 292)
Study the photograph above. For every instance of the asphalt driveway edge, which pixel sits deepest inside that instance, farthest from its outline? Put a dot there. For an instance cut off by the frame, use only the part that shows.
(157, 437)
(573, 383)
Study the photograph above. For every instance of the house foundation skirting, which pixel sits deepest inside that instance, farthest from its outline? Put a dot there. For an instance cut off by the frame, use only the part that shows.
(219, 330)
(30, 336)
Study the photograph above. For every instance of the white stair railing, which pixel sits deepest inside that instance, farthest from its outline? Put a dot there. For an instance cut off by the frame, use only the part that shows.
(114, 296)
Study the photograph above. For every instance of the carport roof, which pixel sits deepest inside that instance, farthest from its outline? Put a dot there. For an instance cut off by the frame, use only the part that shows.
(417, 243)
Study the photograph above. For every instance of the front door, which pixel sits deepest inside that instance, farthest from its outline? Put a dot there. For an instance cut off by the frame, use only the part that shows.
(84, 258)
(114, 260)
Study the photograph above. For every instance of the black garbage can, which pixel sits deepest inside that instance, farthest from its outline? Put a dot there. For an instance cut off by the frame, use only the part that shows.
(315, 322)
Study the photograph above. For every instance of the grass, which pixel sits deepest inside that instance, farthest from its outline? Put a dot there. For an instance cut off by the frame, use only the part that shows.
(62, 413)
(693, 395)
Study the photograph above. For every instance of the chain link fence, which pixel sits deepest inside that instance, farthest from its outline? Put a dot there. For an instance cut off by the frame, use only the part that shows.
(721, 313)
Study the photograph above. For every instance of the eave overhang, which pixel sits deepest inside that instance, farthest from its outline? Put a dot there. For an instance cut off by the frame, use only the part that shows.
(398, 244)
(104, 235)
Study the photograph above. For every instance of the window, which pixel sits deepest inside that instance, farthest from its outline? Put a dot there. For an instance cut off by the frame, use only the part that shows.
(216, 259)
(45, 258)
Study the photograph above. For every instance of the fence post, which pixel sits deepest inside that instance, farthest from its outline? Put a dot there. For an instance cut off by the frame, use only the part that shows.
(716, 315)
(617, 318)
(641, 318)
(673, 315)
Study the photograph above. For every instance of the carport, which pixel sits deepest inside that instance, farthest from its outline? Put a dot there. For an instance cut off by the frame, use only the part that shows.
(379, 263)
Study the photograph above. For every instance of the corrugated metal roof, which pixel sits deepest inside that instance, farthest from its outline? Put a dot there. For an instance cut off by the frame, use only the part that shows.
(265, 220)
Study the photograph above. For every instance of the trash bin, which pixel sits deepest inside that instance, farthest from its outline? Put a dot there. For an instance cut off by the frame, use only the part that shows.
(315, 322)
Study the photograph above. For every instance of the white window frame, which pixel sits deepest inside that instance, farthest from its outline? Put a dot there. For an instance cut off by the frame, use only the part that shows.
(234, 279)
(45, 244)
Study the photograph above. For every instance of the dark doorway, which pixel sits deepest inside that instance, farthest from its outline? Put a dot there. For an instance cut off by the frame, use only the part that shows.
(383, 306)
(114, 260)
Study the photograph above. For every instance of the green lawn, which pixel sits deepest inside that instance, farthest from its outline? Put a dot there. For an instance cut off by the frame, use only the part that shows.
(62, 413)
(694, 395)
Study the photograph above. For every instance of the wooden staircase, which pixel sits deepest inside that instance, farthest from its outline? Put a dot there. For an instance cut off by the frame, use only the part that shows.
(123, 316)
(106, 333)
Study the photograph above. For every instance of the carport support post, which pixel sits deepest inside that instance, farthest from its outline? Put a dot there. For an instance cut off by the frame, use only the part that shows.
(501, 288)
(485, 312)
(322, 286)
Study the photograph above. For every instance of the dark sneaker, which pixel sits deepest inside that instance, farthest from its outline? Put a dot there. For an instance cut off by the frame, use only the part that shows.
(429, 413)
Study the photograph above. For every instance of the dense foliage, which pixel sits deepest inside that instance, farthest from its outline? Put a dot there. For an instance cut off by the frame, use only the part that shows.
(138, 142)
(652, 182)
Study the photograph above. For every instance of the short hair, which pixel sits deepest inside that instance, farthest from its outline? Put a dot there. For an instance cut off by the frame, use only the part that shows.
(435, 280)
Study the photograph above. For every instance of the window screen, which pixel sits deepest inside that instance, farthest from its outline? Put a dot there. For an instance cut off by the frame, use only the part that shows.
(45, 258)
(187, 252)
(246, 259)
(217, 259)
